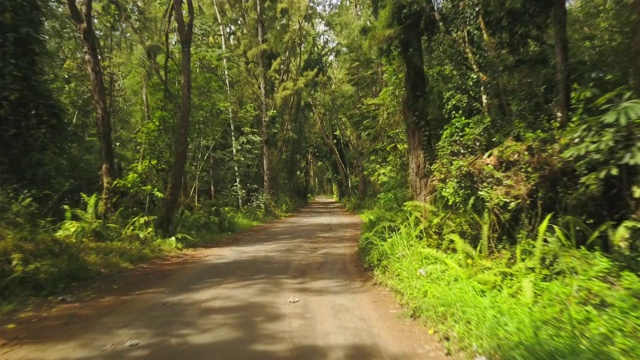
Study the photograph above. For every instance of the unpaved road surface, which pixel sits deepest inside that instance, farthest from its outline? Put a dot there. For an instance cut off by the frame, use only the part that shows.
(239, 301)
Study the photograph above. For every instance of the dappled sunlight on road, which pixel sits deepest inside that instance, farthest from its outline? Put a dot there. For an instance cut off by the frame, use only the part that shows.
(290, 290)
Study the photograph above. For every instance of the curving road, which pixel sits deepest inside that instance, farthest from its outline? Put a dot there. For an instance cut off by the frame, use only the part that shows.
(291, 289)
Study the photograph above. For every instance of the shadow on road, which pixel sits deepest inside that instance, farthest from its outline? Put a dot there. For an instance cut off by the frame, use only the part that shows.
(240, 303)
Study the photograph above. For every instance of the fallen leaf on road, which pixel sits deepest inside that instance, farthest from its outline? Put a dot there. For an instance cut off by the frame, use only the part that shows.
(293, 300)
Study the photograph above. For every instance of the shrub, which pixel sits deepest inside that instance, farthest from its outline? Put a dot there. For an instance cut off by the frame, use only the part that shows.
(540, 299)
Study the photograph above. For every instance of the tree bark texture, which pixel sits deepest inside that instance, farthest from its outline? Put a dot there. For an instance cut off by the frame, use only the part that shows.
(230, 99)
(264, 115)
(185, 33)
(563, 89)
(84, 22)
(421, 150)
(307, 173)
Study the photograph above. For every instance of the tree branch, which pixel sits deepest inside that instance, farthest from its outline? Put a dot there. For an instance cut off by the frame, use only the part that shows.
(76, 16)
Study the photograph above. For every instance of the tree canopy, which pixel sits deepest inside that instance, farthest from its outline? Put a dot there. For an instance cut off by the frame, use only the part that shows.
(161, 122)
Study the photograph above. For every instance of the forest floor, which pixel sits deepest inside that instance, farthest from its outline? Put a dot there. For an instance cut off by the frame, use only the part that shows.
(290, 289)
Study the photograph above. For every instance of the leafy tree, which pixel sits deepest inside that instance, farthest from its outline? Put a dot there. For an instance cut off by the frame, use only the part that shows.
(31, 119)
(85, 23)
(185, 34)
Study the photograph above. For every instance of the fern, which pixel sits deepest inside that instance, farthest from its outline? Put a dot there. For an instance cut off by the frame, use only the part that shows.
(566, 238)
(501, 303)
(462, 246)
(542, 231)
(91, 212)
(596, 234)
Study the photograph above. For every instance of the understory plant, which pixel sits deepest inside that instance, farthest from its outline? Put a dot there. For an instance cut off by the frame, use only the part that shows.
(42, 257)
(539, 299)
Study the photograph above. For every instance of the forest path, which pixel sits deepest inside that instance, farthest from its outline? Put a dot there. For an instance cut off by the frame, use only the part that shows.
(238, 301)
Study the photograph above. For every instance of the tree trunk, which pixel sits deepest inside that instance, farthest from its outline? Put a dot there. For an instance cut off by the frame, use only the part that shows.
(421, 150)
(146, 114)
(563, 89)
(212, 185)
(362, 181)
(264, 116)
(185, 33)
(342, 168)
(418, 165)
(230, 99)
(145, 101)
(84, 22)
(636, 47)
(307, 173)
(483, 77)
(465, 46)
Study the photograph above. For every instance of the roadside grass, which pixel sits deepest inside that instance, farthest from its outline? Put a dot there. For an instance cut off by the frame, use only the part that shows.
(40, 258)
(541, 299)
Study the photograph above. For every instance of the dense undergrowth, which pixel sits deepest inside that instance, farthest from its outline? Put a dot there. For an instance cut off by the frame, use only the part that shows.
(518, 120)
(40, 257)
(540, 299)
(529, 245)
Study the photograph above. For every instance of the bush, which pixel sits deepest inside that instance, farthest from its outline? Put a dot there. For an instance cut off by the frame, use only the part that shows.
(39, 258)
(205, 222)
(540, 299)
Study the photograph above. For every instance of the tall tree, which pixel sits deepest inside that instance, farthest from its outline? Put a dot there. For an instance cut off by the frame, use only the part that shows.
(31, 122)
(264, 114)
(409, 19)
(85, 22)
(185, 34)
(338, 158)
(225, 66)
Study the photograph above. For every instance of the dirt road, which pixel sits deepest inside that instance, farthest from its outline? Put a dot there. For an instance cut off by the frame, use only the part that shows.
(292, 289)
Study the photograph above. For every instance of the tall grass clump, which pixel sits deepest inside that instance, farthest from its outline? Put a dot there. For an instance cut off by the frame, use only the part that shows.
(539, 299)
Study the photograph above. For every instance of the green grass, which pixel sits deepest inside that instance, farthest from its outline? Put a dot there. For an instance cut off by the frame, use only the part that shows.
(541, 300)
